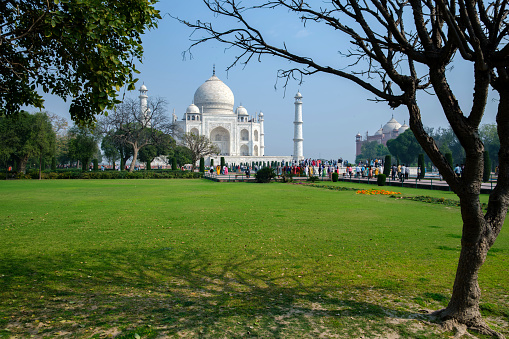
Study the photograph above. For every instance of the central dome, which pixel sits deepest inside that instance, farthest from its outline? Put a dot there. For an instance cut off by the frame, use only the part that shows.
(213, 96)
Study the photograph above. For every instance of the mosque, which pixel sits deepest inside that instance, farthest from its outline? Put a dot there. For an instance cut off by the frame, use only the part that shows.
(391, 130)
(239, 135)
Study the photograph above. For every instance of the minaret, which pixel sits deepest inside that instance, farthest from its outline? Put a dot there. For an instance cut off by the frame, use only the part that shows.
(298, 141)
(145, 111)
(262, 135)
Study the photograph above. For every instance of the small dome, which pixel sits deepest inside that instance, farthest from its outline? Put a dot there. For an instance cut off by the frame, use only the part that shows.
(390, 126)
(193, 109)
(143, 88)
(241, 110)
(403, 128)
(380, 131)
(261, 114)
(298, 95)
(358, 135)
(213, 96)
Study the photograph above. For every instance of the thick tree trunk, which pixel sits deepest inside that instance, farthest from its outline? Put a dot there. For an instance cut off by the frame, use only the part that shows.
(464, 304)
(22, 164)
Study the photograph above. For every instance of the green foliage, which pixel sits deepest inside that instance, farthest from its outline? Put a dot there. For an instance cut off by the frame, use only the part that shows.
(222, 162)
(387, 165)
(174, 163)
(380, 180)
(202, 165)
(313, 179)
(85, 50)
(335, 176)
(96, 165)
(448, 157)
(489, 137)
(25, 136)
(53, 163)
(264, 175)
(405, 147)
(372, 150)
(487, 167)
(82, 145)
(211, 162)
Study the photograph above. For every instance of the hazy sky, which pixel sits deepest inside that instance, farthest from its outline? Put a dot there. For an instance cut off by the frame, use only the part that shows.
(334, 109)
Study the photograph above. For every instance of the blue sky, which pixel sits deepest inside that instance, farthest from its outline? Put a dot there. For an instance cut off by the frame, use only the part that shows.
(334, 109)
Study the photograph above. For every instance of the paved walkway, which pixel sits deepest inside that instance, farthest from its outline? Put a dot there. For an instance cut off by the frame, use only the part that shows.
(432, 183)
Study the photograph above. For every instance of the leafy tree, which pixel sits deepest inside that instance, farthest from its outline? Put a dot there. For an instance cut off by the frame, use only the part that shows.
(406, 147)
(401, 48)
(114, 147)
(372, 150)
(181, 155)
(489, 137)
(138, 129)
(24, 136)
(43, 138)
(150, 152)
(82, 145)
(83, 49)
(199, 145)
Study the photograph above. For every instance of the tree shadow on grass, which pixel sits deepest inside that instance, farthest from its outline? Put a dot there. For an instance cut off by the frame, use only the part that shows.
(182, 293)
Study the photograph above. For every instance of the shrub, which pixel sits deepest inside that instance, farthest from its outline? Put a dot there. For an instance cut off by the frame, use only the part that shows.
(335, 177)
(202, 165)
(265, 175)
(487, 167)
(387, 165)
(287, 177)
(96, 165)
(380, 180)
(448, 156)
(222, 163)
(421, 165)
(313, 178)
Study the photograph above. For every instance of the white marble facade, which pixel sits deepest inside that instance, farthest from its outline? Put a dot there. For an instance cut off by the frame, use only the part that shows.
(235, 132)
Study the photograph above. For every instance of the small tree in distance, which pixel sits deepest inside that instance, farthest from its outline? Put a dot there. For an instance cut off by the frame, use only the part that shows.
(398, 49)
(200, 146)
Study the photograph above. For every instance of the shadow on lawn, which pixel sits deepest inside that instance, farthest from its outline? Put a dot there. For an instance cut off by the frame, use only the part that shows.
(179, 292)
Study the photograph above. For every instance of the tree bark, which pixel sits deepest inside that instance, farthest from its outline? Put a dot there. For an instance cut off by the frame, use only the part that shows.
(135, 157)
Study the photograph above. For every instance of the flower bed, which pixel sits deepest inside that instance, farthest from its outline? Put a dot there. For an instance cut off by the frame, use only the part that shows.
(377, 192)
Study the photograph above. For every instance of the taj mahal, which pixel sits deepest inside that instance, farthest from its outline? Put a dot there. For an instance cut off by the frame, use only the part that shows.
(239, 135)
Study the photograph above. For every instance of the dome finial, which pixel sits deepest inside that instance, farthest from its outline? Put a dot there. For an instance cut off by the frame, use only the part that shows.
(214, 69)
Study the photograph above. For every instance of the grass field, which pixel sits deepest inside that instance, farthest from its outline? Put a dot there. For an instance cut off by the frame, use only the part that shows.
(194, 258)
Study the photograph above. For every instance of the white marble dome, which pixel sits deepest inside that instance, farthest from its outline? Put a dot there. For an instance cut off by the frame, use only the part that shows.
(390, 126)
(379, 132)
(193, 109)
(241, 110)
(214, 96)
(403, 128)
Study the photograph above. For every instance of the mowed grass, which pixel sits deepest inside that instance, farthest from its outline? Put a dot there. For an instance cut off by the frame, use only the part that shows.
(194, 258)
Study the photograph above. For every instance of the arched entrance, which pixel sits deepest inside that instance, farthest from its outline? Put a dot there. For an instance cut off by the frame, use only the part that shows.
(221, 138)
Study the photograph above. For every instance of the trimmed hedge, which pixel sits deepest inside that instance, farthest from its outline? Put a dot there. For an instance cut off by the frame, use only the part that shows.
(380, 180)
(77, 174)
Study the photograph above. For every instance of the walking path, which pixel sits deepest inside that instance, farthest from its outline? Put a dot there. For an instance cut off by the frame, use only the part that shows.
(432, 183)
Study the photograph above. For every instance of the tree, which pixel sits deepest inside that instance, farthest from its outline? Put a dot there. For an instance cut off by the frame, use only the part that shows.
(399, 49)
(24, 136)
(82, 145)
(150, 152)
(138, 129)
(199, 145)
(406, 147)
(371, 150)
(43, 137)
(84, 49)
(489, 137)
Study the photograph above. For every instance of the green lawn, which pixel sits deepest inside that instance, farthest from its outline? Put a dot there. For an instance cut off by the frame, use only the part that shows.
(194, 258)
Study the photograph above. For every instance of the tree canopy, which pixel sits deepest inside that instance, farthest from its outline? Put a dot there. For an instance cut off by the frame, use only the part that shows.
(395, 50)
(84, 49)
